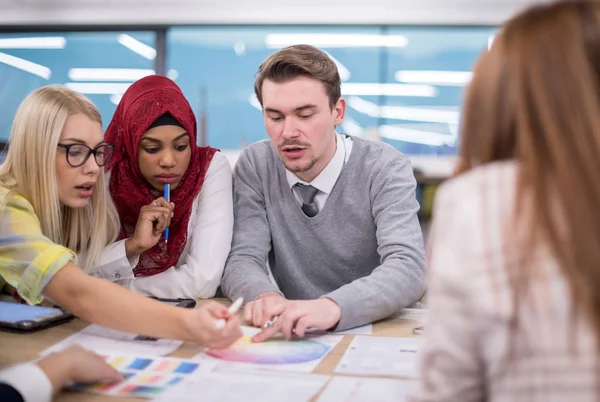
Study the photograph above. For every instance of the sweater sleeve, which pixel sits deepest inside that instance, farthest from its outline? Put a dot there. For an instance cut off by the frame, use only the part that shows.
(399, 281)
(246, 272)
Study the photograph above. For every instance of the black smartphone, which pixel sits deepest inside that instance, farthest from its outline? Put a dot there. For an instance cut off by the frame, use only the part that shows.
(17, 317)
(185, 303)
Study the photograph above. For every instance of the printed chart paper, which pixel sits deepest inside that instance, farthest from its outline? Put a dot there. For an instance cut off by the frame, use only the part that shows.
(105, 340)
(146, 376)
(357, 389)
(369, 355)
(299, 354)
(247, 387)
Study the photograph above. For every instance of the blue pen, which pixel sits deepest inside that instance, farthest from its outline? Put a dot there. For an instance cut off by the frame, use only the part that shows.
(167, 190)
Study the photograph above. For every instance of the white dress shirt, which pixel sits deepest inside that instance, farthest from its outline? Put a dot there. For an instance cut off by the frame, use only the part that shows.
(325, 180)
(29, 380)
(200, 266)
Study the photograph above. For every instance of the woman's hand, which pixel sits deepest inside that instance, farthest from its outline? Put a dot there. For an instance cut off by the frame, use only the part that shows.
(152, 222)
(76, 364)
(202, 326)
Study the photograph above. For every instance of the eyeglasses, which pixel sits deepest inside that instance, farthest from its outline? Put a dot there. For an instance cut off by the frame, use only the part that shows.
(78, 154)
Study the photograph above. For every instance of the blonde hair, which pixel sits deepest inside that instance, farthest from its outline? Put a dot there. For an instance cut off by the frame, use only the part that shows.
(30, 170)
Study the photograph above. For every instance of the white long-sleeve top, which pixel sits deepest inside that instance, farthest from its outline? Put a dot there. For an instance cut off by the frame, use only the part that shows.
(200, 267)
(29, 380)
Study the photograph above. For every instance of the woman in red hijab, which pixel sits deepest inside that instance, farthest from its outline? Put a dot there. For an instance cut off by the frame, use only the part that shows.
(154, 134)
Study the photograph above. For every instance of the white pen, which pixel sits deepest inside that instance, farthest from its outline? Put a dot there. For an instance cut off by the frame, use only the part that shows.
(270, 322)
(220, 324)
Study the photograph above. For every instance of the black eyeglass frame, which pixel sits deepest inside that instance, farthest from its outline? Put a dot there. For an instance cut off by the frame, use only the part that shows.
(91, 151)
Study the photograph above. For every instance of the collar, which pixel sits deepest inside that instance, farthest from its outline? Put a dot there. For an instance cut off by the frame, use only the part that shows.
(326, 179)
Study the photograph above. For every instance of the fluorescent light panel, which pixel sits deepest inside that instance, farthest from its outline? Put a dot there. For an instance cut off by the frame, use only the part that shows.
(342, 70)
(26, 65)
(368, 89)
(116, 98)
(253, 100)
(449, 78)
(239, 48)
(335, 40)
(403, 112)
(491, 41)
(137, 47)
(108, 74)
(48, 42)
(352, 127)
(416, 136)
(173, 74)
(99, 88)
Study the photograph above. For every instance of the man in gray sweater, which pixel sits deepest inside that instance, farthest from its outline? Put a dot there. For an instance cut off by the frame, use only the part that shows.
(335, 216)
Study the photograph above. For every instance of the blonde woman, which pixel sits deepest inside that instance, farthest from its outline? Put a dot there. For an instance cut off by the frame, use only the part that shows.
(54, 206)
(514, 293)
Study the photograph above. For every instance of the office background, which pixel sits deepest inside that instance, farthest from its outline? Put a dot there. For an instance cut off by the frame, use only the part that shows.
(404, 64)
(403, 85)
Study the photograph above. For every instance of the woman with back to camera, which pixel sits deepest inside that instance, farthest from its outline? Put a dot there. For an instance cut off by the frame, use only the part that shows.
(514, 292)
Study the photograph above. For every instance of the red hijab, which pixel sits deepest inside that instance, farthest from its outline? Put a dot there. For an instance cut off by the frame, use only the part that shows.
(144, 102)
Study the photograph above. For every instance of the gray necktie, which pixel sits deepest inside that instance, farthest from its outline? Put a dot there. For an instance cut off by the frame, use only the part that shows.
(308, 193)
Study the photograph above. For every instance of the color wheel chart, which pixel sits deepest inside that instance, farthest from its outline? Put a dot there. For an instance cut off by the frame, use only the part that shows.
(146, 376)
(299, 354)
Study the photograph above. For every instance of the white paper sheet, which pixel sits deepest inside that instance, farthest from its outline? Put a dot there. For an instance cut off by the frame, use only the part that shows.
(357, 389)
(105, 340)
(370, 355)
(301, 355)
(415, 314)
(247, 387)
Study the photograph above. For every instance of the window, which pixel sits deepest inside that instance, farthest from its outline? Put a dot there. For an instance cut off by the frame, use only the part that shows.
(215, 68)
(99, 64)
(403, 85)
(436, 65)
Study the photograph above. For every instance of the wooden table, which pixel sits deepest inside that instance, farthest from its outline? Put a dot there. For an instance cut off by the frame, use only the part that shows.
(16, 348)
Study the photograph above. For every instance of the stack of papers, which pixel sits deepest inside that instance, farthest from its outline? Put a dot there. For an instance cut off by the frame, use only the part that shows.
(105, 340)
(368, 355)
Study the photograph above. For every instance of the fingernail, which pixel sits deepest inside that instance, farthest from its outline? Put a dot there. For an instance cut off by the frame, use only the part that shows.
(113, 380)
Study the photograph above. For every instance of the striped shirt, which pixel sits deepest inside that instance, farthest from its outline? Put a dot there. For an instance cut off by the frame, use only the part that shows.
(469, 331)
(28, 259)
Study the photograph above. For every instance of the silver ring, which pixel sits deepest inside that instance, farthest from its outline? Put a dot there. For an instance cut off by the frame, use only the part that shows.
(154, 203)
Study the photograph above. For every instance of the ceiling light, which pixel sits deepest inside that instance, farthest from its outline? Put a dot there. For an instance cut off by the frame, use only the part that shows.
(99, 88)
(26, 65)
(368, 89)
(449, 78)
(136, 46)
(108, 74)
(335, 40)
(33, 43)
